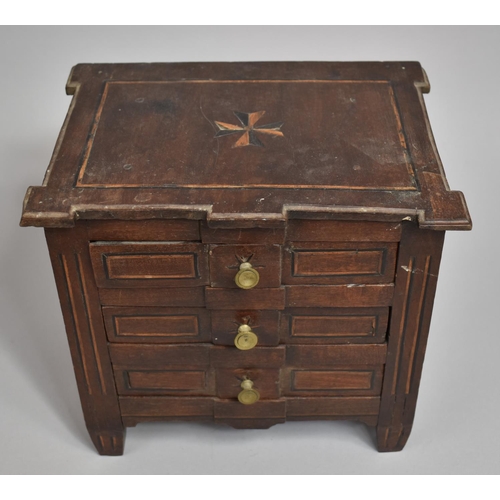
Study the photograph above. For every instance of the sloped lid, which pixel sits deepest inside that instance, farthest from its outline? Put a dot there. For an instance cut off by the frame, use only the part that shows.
(246, 144)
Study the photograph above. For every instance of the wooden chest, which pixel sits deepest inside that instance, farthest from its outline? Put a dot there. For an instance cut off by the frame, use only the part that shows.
(246, 243)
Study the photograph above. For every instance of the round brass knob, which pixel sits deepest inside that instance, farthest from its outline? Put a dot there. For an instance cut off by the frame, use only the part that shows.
(245, 338)
(247, 276)
(248, 396)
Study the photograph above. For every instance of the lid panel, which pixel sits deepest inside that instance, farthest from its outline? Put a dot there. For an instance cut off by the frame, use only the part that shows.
(280, 134)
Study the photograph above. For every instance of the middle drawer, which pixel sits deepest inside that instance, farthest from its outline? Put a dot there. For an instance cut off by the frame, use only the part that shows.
(169, 325)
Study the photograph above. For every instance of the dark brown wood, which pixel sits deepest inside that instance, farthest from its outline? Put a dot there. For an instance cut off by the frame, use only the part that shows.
(239, 236)
(335, 381)
(358, 130)
(308, 325)
(324, 176)
(341, 231)
(339, 295)
(305, 356)
(168, 297)
(87, 339)
(338, 263)
(130, 265)
(265, 324)
(416, 281)
(263, 298)
(156, 324)
(144, 230)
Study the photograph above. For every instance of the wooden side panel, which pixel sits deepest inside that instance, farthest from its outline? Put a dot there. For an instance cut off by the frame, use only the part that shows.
(225, 262)
(416, 281)
(143, 230)
(81, 310)
(156, 325)
(265, 324)
(264, 299)
(334, 325)
(338, 263)
(132, 265)
(339, 295)
(334, 230)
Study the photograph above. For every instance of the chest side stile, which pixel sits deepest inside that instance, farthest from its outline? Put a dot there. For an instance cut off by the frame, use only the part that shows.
(81, 309)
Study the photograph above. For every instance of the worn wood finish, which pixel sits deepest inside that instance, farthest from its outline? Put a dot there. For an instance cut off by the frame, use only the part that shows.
(417, 272)
(265, 324)
(225, 263)
(308, 325)
(324, 176)
(338, 263)
(87, 339)
(339, 295)
(167, 297)
(147, 265)
(156, 325)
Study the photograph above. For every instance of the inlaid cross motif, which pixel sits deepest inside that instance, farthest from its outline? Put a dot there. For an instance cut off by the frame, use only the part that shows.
(249, 129)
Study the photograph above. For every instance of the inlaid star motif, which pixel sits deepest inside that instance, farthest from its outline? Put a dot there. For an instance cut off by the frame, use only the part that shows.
(248, 121)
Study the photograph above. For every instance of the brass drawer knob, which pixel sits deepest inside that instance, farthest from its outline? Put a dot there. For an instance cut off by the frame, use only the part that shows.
(245, 339)
(247, 276)
(248, 396)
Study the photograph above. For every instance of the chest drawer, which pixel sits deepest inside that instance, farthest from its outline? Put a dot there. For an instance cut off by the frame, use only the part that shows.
(130, 265)
(313, 263)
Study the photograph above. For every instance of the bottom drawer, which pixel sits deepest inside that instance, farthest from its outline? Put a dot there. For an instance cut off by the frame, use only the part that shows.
(261, 415)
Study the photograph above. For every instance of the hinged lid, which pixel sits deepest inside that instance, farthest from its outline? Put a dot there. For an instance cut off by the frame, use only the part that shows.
(246, 144)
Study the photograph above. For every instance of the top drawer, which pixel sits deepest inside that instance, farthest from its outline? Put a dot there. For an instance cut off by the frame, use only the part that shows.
(134, 265)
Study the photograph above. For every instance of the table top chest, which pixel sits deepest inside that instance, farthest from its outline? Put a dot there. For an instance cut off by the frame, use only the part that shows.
(246, 243)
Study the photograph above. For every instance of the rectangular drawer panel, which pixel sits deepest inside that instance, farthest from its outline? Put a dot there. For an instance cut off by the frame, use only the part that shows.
(225, 262)
(334, 230)
(339, 263)
(339, 295)
(193, 382)
(266, 382)
(265, 324)
(131, 265)
(157, 325)
(334, 325)
(340, 381)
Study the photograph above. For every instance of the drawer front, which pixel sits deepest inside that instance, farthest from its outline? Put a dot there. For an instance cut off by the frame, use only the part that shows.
(334, 325)
(171, 382)
(131, 265)
(156, 324)
(264, 324)
(334, 381)
(225, 263)
(338, 263)
(266, 382)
